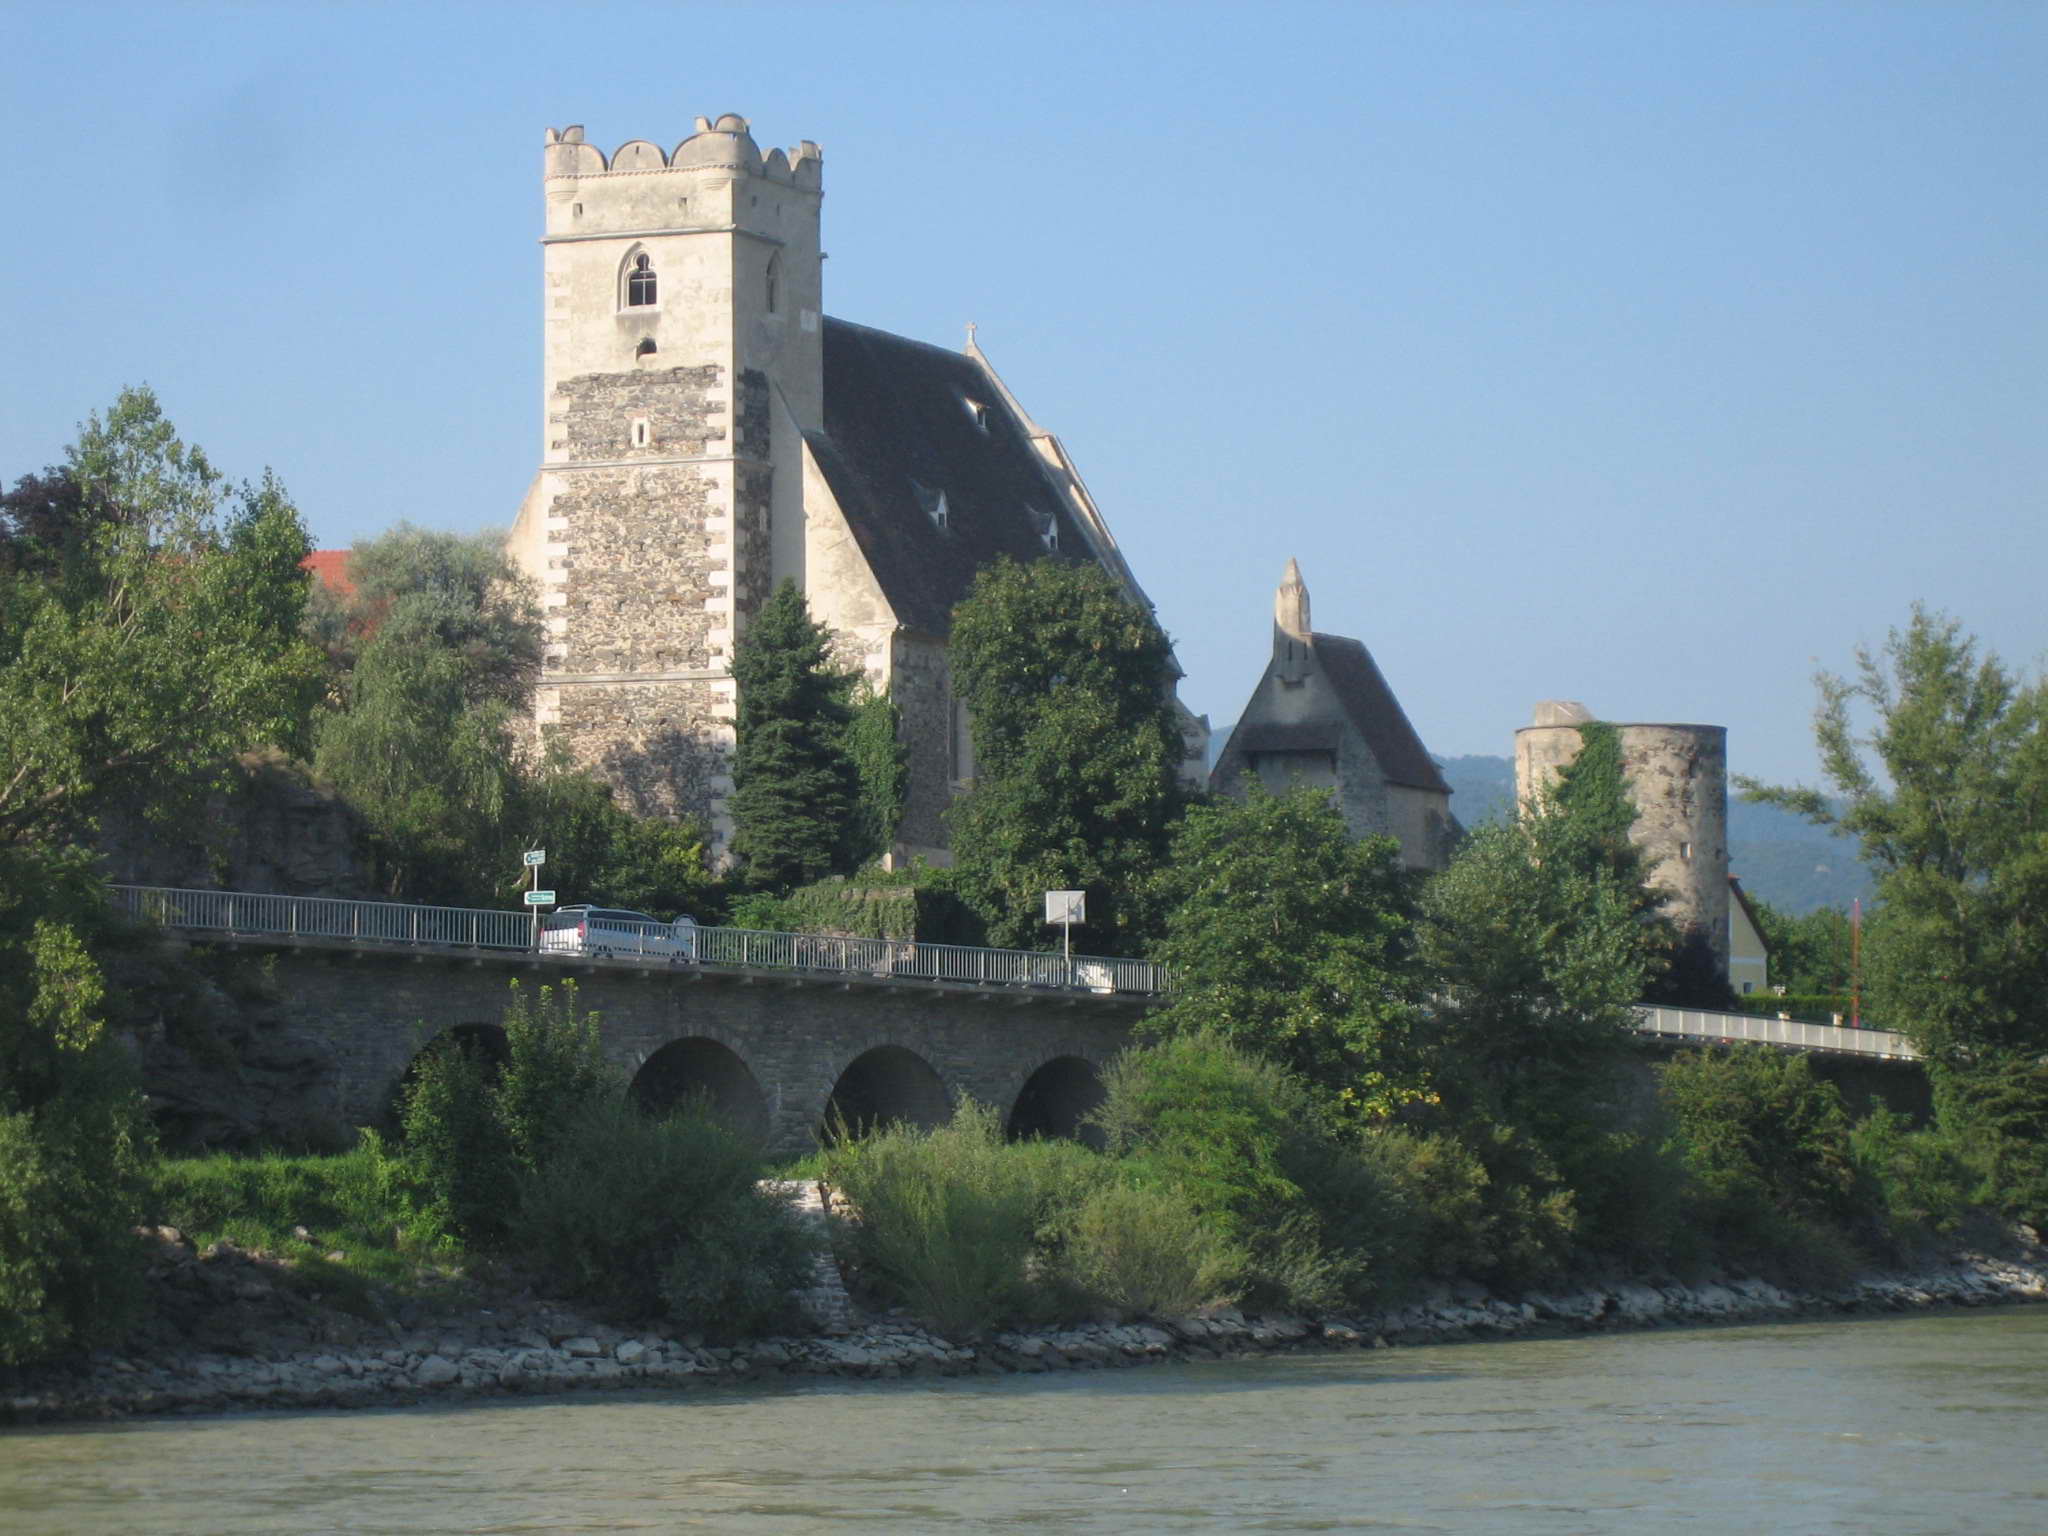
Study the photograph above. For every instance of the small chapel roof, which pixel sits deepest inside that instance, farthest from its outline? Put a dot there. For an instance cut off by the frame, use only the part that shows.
(1377, 715)
(907, 423)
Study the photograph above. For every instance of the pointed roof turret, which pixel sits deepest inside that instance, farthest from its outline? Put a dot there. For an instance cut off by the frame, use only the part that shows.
(1290, 603)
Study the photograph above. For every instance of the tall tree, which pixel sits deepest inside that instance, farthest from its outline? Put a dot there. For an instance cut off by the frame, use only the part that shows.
(1076, 750)
(1291, 939)
(795, 783)
(438, 649)
(148, 627)
(1951, 805)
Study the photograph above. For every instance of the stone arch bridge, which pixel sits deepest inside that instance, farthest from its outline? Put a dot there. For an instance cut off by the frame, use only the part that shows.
(781, 1040)
(784, 1033)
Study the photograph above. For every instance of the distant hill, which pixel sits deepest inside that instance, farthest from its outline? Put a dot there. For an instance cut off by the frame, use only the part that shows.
(1790, 863)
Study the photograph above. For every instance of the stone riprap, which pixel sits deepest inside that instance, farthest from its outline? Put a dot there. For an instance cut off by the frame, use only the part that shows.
(245, 1342)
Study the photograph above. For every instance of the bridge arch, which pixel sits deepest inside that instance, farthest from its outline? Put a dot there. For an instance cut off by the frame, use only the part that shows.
(699, 1068)
(1054, 1099)
(485, 1043)
(888, 1083)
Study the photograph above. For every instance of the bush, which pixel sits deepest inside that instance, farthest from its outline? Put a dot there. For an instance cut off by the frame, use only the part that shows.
(473, 1129)
(1146, 1252)
(458, 1160)
(646, 1216)
(1767, 1146)
(1920, 1181)
(71, 1182)
(74, 1140)
(956, 1225)
(1239, 1137)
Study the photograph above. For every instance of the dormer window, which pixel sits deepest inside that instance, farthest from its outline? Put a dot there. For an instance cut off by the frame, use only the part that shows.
(934, 504)
(976, 413)
(640, 282)
(1048, 529)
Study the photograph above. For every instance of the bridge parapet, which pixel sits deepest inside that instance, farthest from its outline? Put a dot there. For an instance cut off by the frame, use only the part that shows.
(1752, 1029)
(329, 922)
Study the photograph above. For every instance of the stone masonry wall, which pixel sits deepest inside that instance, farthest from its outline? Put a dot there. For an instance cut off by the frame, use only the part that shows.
(660, 745)
(369, 1015)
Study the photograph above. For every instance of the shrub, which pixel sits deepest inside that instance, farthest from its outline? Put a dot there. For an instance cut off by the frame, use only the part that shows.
(645, 1216)
(1767, 1146)
(1239, 1137)
(1146, 1252)
(458, 1159)
(1921, 1183)
(954, 1224)
(474, 1129)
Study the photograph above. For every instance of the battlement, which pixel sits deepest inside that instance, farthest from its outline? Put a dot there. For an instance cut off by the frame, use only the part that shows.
(725, 144)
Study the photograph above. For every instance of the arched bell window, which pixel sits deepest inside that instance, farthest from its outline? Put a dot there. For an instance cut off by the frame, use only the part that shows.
(640, 281)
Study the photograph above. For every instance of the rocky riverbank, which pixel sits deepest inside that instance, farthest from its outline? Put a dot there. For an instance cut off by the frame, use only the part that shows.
(227, 1335)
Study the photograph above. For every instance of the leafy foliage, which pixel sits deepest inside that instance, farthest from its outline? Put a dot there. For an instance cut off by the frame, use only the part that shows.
(475, 1128)
(148, 627)
(951, 1219)
(649, 1216)
(1243, 1141)
(74, 1143)
(1076, 750)
(796, 785)
(1767, 1145)
(1811, 954)
(1951, 808)
(1291, 939)
(881, 765)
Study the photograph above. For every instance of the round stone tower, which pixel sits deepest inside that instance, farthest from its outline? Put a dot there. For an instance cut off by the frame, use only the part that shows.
(1678, 778)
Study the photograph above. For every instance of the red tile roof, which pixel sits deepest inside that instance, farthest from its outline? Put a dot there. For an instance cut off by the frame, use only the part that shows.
(330, 568)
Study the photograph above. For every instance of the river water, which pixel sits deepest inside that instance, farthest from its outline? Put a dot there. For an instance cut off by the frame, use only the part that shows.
(1902, 1424)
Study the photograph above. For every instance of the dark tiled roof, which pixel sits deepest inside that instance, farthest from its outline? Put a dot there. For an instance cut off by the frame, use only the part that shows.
(899, 431)
(1376, 713)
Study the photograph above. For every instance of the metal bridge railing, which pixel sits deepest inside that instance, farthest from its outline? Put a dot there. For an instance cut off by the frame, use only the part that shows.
(1696, 1024)
(381, 923)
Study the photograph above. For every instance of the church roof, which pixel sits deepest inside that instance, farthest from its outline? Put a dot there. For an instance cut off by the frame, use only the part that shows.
(908, 423)
(1377, 715)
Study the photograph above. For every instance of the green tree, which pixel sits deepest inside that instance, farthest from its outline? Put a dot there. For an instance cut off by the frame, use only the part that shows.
(1289, 938)
(74, 1140)
(795, 784)
(439, 651)
(1536, 959)
(1067, 684)
(152, 637)
(1811, 954)
(1949, 796)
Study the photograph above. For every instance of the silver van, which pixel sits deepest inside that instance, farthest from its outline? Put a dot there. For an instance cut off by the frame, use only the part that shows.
(584, 930)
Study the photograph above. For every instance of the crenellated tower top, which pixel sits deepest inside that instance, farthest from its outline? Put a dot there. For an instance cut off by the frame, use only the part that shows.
(724, 144)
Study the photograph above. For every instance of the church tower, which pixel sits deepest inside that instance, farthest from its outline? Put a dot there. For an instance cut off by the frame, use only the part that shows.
(682, 364)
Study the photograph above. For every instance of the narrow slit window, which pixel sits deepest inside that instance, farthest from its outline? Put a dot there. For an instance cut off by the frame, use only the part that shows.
(640, 282)
(641, 434)
(774, 280)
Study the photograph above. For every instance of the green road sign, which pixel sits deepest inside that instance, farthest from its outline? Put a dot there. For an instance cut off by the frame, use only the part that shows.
(540, 898)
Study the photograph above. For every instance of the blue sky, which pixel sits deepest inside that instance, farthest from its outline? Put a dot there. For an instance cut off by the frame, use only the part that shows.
(1649, 355)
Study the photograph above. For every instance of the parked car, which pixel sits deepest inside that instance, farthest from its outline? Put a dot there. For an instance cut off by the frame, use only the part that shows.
(587, 930)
